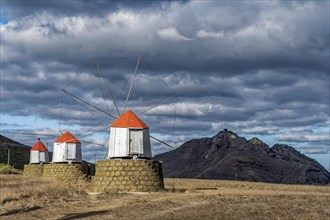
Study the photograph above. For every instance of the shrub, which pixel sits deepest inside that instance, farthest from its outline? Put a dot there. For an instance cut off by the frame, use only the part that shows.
(8, 169)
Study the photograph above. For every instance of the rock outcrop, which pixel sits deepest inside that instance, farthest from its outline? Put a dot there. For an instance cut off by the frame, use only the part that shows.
(228, 156)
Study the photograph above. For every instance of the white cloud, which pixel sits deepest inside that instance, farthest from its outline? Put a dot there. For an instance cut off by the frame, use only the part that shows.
(303, 138)
(316, 150)
(209, 34)
(261, 130)
(188, 108)
(171, 34)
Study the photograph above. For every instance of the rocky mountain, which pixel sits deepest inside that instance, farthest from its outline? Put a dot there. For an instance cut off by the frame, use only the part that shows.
(19, 153)
(228, 156)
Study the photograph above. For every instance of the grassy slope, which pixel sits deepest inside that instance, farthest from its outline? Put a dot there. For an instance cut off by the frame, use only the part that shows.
(30, 198)
(19, 155)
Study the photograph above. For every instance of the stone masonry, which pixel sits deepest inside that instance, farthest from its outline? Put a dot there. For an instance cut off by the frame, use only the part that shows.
(70, 173)
(33, 170)
(118, 175)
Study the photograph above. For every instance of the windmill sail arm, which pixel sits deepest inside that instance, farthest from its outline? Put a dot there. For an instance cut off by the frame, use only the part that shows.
(154, 106)
(86, 135)
(89, 134)
(108, 87)
(89, 142)
(81, 100)
(161, 141)
(37, 134)
(132, 82)
(52, 135)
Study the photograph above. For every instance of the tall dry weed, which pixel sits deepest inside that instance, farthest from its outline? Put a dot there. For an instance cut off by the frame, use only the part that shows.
(24, 189)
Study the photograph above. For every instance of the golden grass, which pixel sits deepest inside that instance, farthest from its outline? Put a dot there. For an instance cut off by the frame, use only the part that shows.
(24, 189)
(250, 200)
(230, 185)
(35, 198)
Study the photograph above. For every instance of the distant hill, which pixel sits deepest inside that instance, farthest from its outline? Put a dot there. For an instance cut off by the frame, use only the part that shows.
(228, 156)
(19, 153)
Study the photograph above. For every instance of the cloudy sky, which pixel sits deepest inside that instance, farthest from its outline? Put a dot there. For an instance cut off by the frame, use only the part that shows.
(258, 68)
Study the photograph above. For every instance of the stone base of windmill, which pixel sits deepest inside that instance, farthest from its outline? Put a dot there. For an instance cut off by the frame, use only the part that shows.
(69, 173)
(33, 170)
(117, 175)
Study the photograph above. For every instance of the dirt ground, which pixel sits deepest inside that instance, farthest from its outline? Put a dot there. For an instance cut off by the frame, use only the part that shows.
(182, 199)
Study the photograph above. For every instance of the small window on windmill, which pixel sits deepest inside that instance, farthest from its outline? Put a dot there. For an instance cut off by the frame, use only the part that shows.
(135, 141)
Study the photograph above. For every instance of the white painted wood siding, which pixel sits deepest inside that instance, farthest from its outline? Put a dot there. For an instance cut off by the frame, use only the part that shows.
(43, 157)
(135, 142)
(59, 152)
(118, 143)
(74, 152)
(65, 152)
(34, 156)
(39, 156)
(124, 142)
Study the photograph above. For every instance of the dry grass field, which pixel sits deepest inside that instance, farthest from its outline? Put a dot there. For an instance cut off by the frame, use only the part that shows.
(36, 198)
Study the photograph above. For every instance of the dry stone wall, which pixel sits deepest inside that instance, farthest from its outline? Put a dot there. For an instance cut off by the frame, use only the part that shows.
(33, 170)
(128, 176)
(70, 173)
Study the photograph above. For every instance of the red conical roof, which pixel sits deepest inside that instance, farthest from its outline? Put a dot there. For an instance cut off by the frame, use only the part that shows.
(68, 137)
(129, 120)
(39, 146)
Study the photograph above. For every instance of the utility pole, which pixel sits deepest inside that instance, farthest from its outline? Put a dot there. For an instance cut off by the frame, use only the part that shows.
(8, 157)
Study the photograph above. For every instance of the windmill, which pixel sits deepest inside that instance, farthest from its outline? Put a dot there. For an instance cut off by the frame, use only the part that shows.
(39, 153)
(129, 135)
(66, 148)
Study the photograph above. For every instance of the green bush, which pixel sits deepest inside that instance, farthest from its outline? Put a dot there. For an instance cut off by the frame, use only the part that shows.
(8, 169)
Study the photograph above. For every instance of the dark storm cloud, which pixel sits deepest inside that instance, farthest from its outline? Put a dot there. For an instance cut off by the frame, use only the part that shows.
(62, 7)
(272, 46)
(258, 68)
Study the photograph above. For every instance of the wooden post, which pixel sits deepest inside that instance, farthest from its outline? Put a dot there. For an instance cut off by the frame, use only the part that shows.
(8, 161)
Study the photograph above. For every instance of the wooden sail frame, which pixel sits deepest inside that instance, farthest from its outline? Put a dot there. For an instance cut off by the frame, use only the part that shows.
(132, 80)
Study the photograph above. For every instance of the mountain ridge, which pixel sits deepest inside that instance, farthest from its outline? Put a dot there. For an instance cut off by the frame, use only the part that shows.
(19, 153)
(229, 156)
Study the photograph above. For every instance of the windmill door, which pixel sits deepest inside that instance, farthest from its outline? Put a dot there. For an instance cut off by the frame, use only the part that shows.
(42, 156)
(135, 141)
(71, 151)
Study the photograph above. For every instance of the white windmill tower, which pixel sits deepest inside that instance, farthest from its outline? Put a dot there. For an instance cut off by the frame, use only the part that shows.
(39, 153)
(67, 149)
(129, 137)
